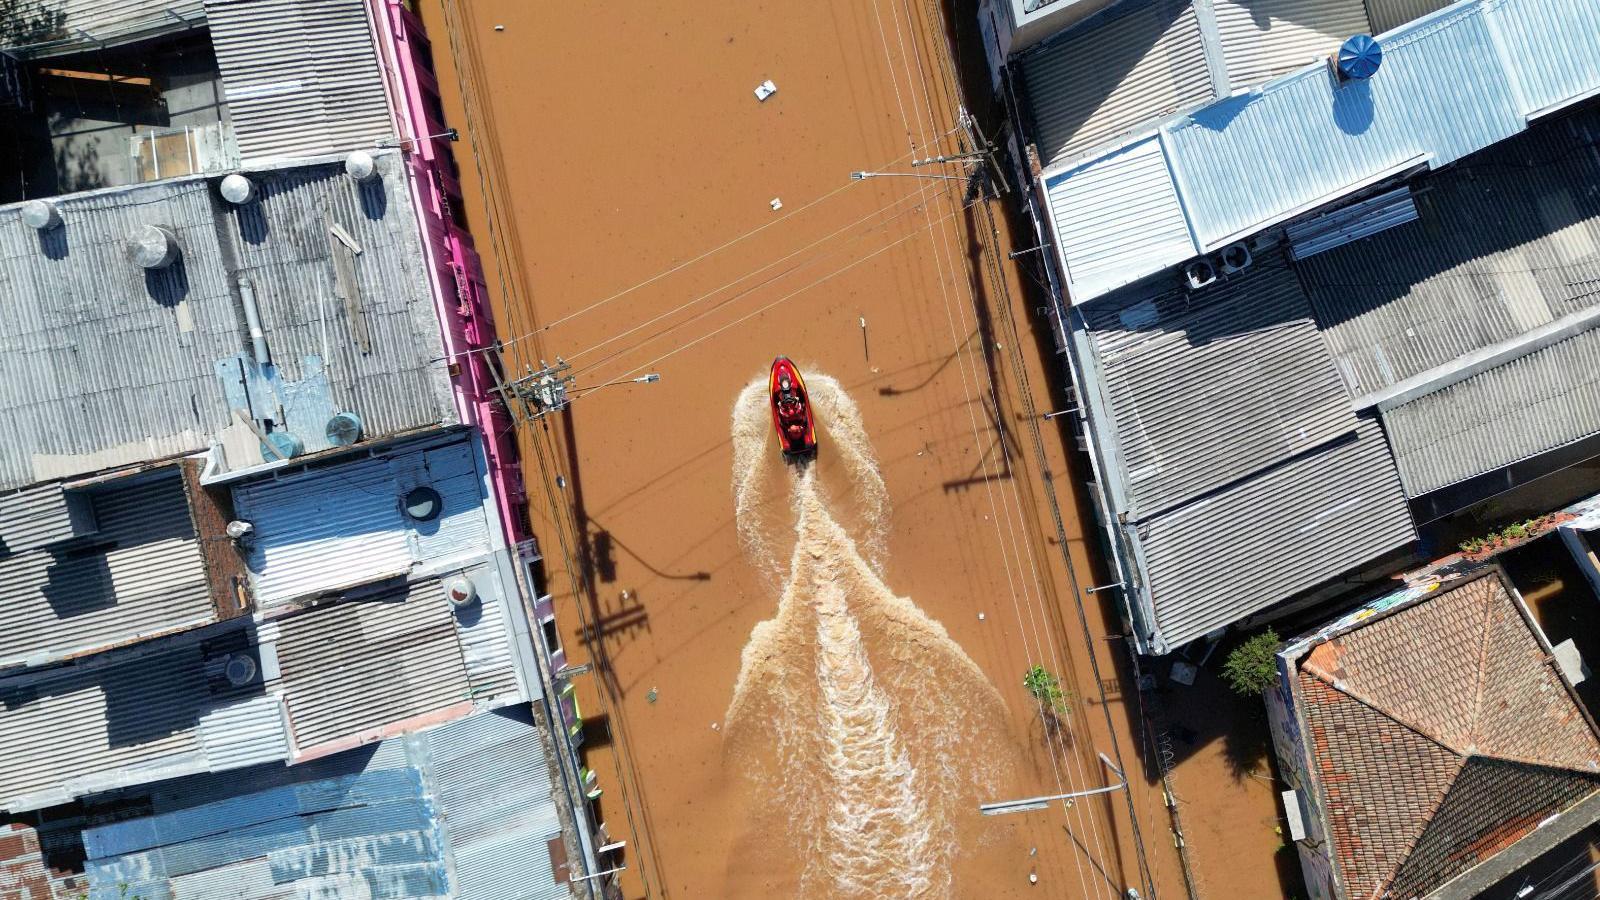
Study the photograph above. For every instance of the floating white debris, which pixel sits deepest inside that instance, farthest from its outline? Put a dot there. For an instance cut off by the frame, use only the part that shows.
(765, 89)
(980, 615)
(776, 204)
(499, 28)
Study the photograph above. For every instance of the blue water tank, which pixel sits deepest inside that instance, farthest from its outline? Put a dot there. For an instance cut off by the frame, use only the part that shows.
(1359, 57)
(281, 445)
(344, 429)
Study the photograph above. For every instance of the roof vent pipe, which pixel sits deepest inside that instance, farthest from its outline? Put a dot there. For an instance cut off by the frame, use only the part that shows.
(238, 190)
(360, 166)
(41, 215)
(252, 319)
(153, 246)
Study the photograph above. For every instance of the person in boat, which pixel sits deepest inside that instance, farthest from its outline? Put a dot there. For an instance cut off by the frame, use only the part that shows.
(791, 409)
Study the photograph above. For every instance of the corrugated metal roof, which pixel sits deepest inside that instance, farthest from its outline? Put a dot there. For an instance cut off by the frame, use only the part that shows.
(1264, 540)
(103, 365)
(1113, 73)
(357, 665)
(336, 526)
(464, 810)
(42, 515)
(1448, 87)
(1505, 242)
(1208, 387)
(494, 796)
(85, 24)
(1387, 15)
(1531, 29)
(1242, 164)
(301, 76)
(136, 718)
(1117, 219)
(1347, 224)
(141, 573)
(1538, 402)
(1262, 39)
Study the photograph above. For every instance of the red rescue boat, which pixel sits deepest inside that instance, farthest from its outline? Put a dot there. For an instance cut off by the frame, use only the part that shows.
(791, 411)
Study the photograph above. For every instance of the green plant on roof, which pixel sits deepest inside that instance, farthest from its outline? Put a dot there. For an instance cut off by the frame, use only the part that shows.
(1500, 537)
(1252, 667)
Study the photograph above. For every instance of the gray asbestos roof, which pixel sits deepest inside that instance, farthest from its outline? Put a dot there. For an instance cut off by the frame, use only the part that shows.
(1262, 541)
(1505, 241)
(120, 719)
(1207, 387)
(1236, 461)
(134, 569)
(1538, 402)
(104, 364)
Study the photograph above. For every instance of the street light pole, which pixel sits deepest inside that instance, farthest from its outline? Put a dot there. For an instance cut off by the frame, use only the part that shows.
(863, 176)
(1033, 803)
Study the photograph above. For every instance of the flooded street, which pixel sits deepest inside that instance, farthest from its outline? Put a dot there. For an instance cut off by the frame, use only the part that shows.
(806, 680)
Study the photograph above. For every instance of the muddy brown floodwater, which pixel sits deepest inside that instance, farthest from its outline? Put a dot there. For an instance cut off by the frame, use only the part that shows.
(807, 679)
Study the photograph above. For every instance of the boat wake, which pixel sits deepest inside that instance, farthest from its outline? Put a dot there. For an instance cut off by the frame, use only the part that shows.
(855, 715)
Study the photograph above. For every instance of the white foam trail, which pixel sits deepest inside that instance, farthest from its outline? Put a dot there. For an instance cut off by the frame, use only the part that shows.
(847, 438)
(881, 723)
(752, 461)
(878, 811)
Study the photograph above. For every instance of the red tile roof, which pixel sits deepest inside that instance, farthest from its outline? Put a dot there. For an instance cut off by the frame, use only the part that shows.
(1440, 734)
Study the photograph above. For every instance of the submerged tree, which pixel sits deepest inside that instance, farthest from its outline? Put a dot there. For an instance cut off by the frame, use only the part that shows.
(1252, 667)
(1046, 689)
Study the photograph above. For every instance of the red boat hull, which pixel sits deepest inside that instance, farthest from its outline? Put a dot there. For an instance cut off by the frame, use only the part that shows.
(796, 427)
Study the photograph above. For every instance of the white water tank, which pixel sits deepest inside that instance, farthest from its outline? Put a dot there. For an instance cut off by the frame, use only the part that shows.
(360, 166)
(41, 214)
(461, 591)
(153, 246)
(238, 190)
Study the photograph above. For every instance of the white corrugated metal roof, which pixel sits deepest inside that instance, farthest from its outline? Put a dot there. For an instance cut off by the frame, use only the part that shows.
(341, 525)
(301, 76)
(1451, 84)
(129, 720)
(103, 365)
(41, 515)
(1538, 402)
(53, 27)
(358, 665)
(1387, 15)
(1117, 219)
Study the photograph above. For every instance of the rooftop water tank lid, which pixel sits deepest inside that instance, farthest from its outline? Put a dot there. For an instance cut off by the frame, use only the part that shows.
(1360, 57)
(423, 504)
(237, 189)
(461, 591)
(360, 166)
(41, 215)
(153, 246)
(240, 670)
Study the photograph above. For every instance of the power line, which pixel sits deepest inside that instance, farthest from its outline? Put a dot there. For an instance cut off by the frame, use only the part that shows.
(940, 262)
(538, 330)
(703, 297)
